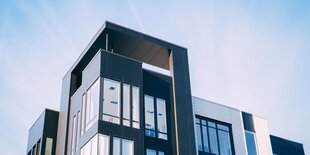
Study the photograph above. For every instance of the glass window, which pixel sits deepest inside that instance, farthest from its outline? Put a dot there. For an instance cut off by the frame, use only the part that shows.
(135, 107)
(250, 142)
(224, 140)
(94, 145)
(213, 141)
(116, 146)
(98, 145)
(149, 116)
(126, 104)
(38, 147)
(213, 137)
(161, 153)
(154, 152)
(103, 144)
(198, 137)
(158, 115)
(83, 113)
(124, 146)
(73, 138)
(127, 147)
(161, 118)
(48, 146)
(150, 152)
(34, 150)
(111, 101)
(90, 105)
(77, 130)
(205, 138)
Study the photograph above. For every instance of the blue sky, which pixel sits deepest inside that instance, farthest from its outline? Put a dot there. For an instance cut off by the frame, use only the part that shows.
(252, 55)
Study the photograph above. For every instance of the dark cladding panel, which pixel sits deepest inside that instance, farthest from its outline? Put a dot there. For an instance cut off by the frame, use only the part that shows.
(125, 71)
(50, 129)
(159, 86)
(183, 103)
(282, 146)
(248, 121)
(120, 68)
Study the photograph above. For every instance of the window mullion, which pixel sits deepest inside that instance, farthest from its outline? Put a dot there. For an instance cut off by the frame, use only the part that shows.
(155, 116)
(130, 106)
(218, 140)
(121, 119)
(201, 135)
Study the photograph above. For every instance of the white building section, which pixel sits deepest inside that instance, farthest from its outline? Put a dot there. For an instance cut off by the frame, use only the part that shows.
(232, 116)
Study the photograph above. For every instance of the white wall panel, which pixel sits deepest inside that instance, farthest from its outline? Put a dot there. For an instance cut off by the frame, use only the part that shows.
(224, 114)
(262, 136)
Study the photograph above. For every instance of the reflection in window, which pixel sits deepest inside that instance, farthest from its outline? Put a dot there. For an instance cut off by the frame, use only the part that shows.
(224, 140)
(98, 145)
(135, 107)
(213, 141)
(157, 114)
(149, 116)
(126, 104)
(122, 146)
(48, 146)
(154, 152)
(111, 101)
(161, 118)
(213, 137)
(250, 142)
(90, 107)
(74, 133)
(83, 113)
(198, 134)
(150, 152)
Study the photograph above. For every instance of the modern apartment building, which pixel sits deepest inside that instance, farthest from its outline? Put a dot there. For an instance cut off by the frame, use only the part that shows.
(129, 94)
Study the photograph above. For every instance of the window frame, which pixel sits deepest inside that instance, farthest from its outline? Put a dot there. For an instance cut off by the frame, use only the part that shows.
(155, 118)
(255, 140)
(119, 108)
(120, 145)
(86, 121)
(216, 122)
(157, 152)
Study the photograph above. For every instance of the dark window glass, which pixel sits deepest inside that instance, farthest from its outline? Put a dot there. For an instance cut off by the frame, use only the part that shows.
(250, 142)
(213, 137)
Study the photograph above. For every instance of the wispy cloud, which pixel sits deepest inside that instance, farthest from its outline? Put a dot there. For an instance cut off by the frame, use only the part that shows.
(134, 11)
(244, 55)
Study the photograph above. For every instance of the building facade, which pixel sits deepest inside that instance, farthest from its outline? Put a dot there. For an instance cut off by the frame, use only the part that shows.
(129, 94)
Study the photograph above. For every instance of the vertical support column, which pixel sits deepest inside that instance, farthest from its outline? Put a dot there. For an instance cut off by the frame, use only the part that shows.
(62, 133)
(106, 41)
(183, 112)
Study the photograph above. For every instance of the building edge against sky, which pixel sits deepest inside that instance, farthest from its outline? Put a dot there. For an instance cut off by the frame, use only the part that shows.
(113, 101)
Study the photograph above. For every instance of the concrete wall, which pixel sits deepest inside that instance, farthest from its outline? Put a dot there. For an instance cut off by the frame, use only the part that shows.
(224, 114)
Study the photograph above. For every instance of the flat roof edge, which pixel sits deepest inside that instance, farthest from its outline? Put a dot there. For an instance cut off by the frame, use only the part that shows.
(112, 26)
(135, 33)
(202, 99)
